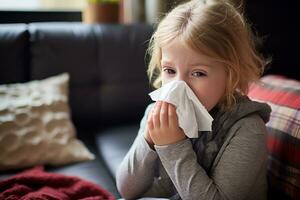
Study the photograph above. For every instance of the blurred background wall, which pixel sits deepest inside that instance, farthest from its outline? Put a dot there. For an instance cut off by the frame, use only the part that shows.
(89, 11)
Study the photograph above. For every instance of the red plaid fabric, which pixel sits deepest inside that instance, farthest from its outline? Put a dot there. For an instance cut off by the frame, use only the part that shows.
(283, 140)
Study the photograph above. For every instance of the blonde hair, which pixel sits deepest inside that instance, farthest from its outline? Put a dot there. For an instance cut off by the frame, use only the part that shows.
(218, 30)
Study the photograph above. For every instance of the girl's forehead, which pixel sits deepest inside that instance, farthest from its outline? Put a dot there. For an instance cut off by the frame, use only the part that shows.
(177, 49)
(183, 45)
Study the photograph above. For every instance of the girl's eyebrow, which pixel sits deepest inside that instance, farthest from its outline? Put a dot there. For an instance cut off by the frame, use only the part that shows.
(198, 64)
(169, 63)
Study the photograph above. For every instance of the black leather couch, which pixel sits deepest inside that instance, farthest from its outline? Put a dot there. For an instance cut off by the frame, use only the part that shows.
(108, 88)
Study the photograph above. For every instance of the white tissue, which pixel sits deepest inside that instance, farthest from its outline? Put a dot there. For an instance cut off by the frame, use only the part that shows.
(192, 115)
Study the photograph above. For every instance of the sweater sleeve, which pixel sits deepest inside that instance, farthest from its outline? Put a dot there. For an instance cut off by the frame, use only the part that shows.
(136, 174)
(234, 175)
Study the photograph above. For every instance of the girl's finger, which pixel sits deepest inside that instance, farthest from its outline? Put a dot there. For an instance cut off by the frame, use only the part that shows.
(164, 114)
(150, 120)
(172, 115)
(155, 115)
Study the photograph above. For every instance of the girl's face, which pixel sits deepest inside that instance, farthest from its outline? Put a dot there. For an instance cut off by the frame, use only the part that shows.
(206, 77)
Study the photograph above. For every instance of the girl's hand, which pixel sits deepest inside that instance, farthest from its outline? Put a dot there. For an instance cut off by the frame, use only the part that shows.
(148, 137)
(163, 125)
(146, 133)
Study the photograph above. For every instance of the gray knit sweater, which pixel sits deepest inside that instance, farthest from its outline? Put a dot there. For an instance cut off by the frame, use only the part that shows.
(236, 171)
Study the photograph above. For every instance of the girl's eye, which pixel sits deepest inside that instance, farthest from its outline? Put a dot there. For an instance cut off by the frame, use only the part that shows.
(169, 71)
(198, 74)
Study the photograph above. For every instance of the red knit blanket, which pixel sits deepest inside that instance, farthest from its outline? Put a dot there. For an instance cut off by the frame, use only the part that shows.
(35, 183)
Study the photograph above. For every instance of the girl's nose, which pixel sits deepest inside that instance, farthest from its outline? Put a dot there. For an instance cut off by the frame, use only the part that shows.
(180, 78)
(183, 78)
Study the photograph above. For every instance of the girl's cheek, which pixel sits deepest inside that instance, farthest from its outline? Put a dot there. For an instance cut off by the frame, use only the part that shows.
(165, 80)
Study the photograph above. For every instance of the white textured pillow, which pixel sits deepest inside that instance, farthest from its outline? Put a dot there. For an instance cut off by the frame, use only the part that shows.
(35, 125)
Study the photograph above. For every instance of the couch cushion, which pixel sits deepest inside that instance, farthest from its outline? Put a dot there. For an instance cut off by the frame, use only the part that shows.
(106, 63)
(67, 47)
(114, 143)
(283, 140)
(14, 53)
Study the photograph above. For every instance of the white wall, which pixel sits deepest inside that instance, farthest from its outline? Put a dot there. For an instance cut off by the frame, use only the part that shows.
(25, 5)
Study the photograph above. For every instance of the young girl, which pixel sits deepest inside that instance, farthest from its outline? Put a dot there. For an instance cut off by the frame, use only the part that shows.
(209, 46)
